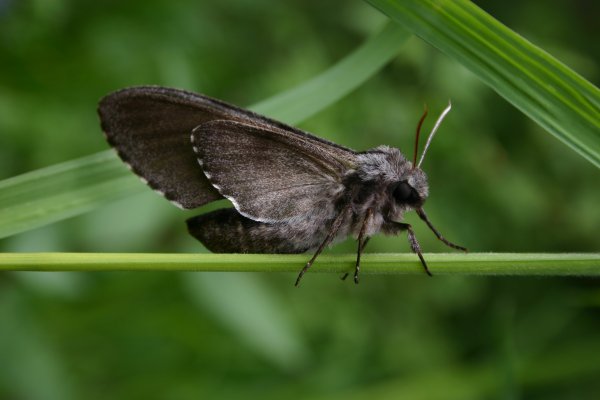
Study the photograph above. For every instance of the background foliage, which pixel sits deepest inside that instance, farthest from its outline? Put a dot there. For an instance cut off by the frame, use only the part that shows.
(498, 183)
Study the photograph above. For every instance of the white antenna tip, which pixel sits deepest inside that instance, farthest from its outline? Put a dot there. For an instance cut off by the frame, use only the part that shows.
(435, 127)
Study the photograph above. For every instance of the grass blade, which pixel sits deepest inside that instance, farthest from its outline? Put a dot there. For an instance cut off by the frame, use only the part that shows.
(325, 89)
(564, 264)
(551, 94)
(61, 191)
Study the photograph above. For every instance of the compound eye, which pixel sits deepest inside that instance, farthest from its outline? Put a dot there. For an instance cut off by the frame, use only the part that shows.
(403, 192)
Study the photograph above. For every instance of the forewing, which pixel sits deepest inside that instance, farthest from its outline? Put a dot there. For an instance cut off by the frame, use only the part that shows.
(150, 129)
(271, 174)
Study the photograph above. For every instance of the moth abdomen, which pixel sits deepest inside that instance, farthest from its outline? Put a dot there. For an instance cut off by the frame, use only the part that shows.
(227, 231)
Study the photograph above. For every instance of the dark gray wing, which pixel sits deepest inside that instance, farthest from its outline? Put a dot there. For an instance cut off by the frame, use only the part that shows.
(271, 174)
(150, 129)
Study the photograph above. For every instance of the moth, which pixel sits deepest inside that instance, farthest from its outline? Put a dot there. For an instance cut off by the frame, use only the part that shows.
(292, 192)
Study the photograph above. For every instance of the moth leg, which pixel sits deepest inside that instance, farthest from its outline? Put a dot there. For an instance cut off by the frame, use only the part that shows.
(414, 244)
(364, 244)
(337, 222)
(423, 216)
(362, 241)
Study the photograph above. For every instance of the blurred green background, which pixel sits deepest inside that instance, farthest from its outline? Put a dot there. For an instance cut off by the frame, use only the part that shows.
(498, 183)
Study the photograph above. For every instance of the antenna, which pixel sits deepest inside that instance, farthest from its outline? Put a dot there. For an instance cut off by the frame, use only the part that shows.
(435, 127)
(418, 134)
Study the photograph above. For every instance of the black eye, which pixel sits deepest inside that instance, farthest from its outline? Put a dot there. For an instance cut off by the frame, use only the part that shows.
(404, 193)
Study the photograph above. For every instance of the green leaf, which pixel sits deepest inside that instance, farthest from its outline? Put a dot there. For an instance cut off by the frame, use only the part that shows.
(61, 191)
(551, 94)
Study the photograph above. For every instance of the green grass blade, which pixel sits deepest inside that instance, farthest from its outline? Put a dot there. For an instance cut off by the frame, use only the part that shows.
(581, 264)
(311, 97)
(61, 191)
(551, 94)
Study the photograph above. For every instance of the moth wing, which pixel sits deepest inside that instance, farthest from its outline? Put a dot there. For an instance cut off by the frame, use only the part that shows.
(150, 128)
(271, 174)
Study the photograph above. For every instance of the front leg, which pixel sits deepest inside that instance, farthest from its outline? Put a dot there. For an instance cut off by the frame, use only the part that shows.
(412, 240)
(362, 242)
(335, 227)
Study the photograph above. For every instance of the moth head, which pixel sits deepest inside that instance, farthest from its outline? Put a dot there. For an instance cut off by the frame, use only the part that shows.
(412, 190)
